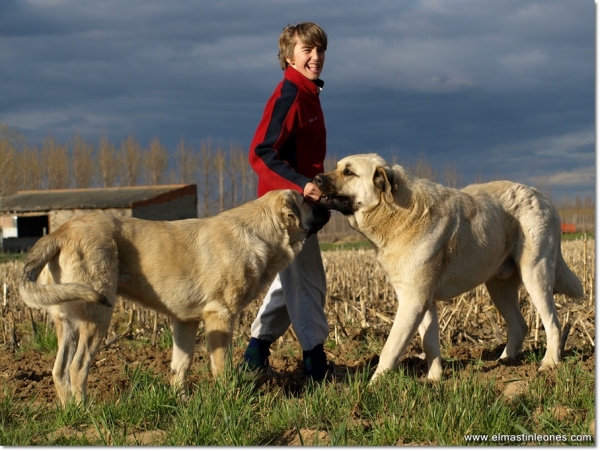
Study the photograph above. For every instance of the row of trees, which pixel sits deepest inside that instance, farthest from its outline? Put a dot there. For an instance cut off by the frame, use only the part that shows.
(223, 176)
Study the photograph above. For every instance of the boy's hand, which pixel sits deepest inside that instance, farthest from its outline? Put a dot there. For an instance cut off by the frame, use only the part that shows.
(312, 192)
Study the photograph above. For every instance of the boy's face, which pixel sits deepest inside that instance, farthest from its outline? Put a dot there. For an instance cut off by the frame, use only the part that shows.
(307, 59)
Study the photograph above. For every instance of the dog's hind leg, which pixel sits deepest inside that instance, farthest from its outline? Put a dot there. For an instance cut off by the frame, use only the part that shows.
(92, 329)
(505, 296)
(429, 331)
(184, 342)
(538, 278)
(67, 339)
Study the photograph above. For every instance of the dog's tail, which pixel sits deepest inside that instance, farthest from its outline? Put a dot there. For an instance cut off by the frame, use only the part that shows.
(42, 296)
(566, 281)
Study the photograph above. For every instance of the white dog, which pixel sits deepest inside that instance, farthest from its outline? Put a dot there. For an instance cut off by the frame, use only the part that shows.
(436, 243)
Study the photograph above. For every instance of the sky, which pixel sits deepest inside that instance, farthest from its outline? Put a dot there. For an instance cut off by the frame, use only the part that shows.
(495, 89)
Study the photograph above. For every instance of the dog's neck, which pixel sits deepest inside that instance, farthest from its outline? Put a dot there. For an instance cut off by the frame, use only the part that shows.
(373, 221)
(258, 222)
(417, 196)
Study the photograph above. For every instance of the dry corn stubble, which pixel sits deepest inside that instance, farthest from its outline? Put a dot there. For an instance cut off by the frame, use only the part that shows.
(359, 297)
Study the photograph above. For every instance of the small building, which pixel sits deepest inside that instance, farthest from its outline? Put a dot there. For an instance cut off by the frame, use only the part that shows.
(28, 215)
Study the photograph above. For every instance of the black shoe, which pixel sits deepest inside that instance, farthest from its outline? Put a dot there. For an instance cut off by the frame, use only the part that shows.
(256, 357)
(315, 363)
(318, 369)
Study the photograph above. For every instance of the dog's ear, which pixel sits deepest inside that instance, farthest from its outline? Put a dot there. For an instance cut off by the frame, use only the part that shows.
(314, 217)
(292, 209)
(384, 180)
(305, 215)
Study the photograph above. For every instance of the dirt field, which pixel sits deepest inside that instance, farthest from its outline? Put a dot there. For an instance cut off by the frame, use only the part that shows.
(29, 373)
(360, 305)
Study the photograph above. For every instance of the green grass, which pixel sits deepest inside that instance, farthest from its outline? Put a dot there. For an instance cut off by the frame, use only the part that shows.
(347, 246)
(4, 258)
(45, 340)
(577, 236)
(364, 244)
(398, 409)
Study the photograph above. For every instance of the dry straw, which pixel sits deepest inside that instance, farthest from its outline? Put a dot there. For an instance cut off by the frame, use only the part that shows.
(358, 297)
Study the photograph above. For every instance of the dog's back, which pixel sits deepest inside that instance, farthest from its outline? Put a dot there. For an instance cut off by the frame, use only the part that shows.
(536, 224)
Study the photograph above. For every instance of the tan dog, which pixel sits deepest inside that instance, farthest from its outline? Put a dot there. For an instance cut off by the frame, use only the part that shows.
(192, 270)
(436, 243)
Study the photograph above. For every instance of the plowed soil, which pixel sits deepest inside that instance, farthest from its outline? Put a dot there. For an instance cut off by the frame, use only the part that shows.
(29, 373)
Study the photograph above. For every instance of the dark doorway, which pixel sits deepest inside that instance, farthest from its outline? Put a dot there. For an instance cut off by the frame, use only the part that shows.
(32, 226)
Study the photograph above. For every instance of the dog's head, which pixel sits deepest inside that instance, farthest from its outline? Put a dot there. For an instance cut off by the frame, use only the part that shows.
(301, 216)
(357, 183)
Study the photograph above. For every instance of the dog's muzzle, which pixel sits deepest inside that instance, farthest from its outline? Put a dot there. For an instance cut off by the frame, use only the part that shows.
(315, 217)
(343, 204)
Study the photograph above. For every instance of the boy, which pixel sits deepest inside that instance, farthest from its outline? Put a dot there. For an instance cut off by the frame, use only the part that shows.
(287, 151)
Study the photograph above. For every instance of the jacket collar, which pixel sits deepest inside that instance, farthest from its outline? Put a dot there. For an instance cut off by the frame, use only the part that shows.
(301, 81)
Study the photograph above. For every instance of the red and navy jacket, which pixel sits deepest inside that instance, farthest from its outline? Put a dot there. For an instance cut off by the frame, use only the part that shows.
(289, 144)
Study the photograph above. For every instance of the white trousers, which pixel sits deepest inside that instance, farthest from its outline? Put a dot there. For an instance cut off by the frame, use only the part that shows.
(296, 297)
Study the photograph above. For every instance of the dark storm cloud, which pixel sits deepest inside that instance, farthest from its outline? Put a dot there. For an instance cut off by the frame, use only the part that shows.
(497, 89)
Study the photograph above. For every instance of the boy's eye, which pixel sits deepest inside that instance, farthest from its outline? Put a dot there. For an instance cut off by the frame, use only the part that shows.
(310, 49)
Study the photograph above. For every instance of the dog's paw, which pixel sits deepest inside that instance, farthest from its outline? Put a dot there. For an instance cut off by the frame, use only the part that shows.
(548, 365)
(436, 371)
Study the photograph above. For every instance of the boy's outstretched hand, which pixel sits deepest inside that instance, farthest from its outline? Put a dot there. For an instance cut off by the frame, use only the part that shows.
(312, 192)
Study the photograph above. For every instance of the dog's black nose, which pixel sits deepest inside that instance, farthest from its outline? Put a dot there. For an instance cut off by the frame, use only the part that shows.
(318, 180)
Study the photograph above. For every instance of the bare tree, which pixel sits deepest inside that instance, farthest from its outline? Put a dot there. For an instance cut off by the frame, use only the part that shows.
(8, 175)
(237, 173)
(108, 162)
(10, 141)
(451, 177)
(423, 169)
(29, 169)
(156, 161)
(187, 162)
(83, 162)
(131, 154)
(248, 177)
(479, 178)
(220, 162)
(56, 162)
(205, 176)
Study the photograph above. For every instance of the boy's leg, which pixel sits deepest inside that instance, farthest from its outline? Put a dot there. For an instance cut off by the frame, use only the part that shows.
(298, 296)
(272, 319)
(304, 285)
(270, 323)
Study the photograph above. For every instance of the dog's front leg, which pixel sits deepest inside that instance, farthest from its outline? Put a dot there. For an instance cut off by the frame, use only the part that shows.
(219, 331)
(184, 341)
(409, 315)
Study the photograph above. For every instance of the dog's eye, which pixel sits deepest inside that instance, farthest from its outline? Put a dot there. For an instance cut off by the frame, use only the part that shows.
(348, 172)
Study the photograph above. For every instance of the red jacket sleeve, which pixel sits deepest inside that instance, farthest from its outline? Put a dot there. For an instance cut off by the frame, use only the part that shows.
(273, 151)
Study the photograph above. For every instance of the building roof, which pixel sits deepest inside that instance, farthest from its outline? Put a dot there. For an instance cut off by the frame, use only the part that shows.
(92, 198)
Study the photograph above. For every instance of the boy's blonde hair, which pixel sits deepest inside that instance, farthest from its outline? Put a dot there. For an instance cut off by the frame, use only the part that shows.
(307, 32)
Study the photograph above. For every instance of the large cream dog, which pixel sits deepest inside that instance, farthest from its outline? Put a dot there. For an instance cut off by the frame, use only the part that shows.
(192, 270)
(436, 243)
